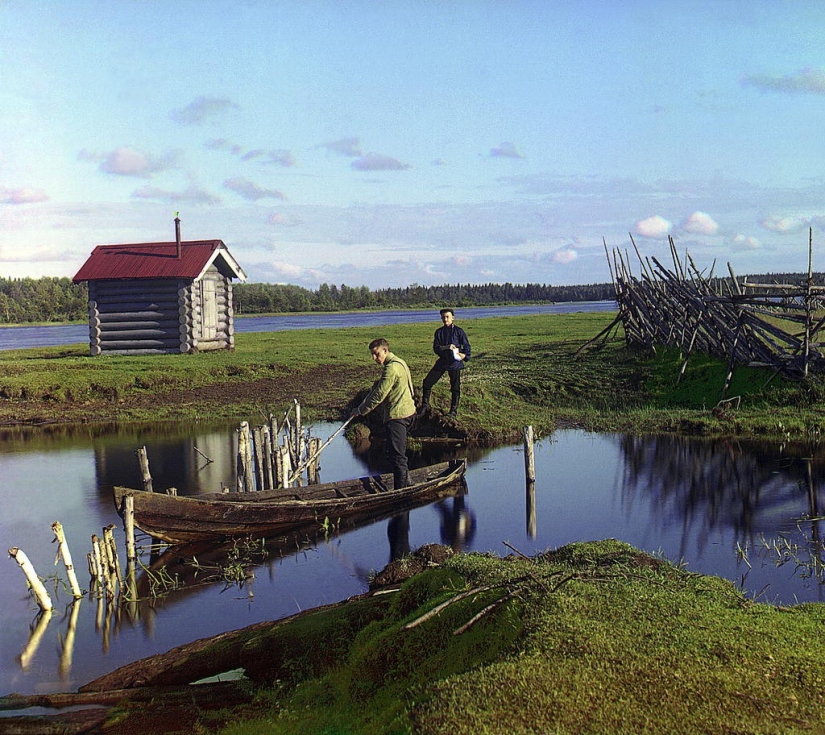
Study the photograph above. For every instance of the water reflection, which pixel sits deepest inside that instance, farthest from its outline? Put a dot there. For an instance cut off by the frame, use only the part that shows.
(703, 502)
(740, 486)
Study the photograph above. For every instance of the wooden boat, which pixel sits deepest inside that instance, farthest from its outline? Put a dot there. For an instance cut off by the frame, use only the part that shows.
(178, 519)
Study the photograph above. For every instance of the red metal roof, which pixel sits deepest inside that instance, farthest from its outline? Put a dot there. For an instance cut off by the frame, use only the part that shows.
(156, 260)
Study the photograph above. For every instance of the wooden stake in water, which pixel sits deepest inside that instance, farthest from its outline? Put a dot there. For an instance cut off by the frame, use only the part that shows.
(64, 554)
(40, 593)
(111, 549)
(529, 455)
(129, 527)
(286, 464)
(143, 460)
(313, 466)
(244, 470)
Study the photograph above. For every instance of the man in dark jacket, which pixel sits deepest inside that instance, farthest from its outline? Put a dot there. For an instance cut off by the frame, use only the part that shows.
(451, 345)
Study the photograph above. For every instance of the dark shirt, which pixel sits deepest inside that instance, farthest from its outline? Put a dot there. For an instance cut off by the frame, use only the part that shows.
(443, 338)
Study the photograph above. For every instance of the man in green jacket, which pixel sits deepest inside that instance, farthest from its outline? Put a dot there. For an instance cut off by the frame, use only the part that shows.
(393, 393)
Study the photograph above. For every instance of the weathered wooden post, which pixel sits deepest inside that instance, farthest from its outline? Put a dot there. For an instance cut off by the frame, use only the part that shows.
(529, 455)
(286, 463)
(244, 470)
(313, 464)
(111, 548)
(129, 527)
(259, 454)
(40, 593)
(266, 448)
(64, 554)
(143, 460)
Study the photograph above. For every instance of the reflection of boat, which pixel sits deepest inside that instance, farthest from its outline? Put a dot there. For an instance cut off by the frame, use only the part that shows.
(179, 519)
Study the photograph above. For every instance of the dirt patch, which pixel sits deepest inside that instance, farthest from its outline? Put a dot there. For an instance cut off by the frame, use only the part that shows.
(400, 570)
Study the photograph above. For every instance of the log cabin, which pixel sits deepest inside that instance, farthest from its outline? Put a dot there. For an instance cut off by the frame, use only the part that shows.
(160, 297)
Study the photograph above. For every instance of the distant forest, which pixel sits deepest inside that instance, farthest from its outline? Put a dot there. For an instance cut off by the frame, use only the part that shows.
(25, 300)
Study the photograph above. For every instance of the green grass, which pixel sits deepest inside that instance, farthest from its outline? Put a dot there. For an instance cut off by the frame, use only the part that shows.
(525, 370)
(594, 638)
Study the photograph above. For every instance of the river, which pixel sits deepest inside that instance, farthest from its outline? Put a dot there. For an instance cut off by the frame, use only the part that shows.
(747, 511)
(14, 338)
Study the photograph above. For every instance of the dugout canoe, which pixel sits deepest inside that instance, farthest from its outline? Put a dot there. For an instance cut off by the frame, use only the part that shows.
(178, 519)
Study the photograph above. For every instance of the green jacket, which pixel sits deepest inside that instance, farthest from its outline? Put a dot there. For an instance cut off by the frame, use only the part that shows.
(393, 391)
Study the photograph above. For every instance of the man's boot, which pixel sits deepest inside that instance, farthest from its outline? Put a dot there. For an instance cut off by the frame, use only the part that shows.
(454, 404)
(400, 478)
(425, 401)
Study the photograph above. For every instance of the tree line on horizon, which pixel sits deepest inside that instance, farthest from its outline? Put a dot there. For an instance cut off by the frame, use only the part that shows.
(48, 299)
(51, 299)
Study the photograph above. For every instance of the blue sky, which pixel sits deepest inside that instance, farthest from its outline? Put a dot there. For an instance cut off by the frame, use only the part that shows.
(414, 141)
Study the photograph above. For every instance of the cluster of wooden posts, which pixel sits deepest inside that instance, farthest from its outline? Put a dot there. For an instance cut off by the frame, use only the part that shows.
(107, 580)
(778, 326)
(276, 454)
(108, 585)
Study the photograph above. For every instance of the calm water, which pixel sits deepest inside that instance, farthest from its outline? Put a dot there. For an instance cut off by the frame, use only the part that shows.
(13, 338)
(695, 501)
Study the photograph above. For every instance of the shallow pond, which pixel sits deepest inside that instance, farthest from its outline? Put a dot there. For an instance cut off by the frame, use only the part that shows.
(733, 509)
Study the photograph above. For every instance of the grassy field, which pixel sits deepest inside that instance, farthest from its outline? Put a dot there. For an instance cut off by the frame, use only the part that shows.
(525, 370)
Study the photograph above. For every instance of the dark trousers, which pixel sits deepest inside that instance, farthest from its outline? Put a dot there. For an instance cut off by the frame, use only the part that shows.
(435, 375)
(396, 448)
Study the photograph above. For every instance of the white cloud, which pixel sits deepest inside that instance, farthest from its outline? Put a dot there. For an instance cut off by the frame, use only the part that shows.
(564, 256)
(654, 226)
(22, 195)
(743, 242)
(700, 223)
(125, 161)
(784, 224)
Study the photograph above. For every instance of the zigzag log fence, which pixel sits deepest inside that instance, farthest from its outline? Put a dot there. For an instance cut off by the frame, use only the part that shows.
(769, 325)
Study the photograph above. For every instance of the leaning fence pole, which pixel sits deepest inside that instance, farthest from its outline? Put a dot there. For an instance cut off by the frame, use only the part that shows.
(40, 593)
(64, 554)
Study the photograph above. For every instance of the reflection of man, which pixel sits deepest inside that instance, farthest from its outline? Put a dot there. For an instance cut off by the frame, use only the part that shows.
(451, 345)
(394, 393)
(458, 523)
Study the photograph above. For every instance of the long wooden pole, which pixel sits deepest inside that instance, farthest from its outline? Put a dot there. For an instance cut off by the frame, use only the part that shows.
(300, 468)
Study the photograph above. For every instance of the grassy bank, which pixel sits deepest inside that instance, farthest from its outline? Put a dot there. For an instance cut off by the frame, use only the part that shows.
(589, 638)
(525, 370)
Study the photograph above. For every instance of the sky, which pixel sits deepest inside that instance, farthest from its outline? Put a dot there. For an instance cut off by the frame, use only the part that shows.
(395, 142)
